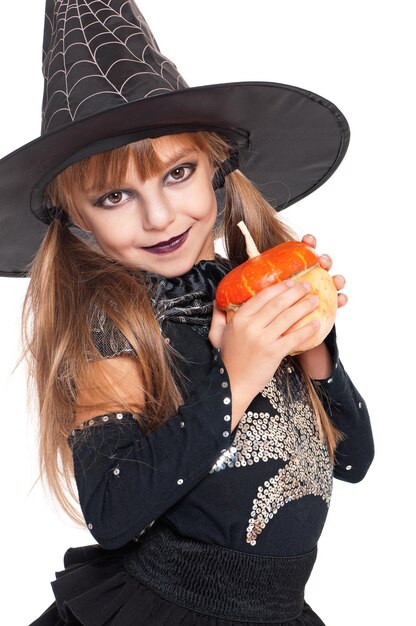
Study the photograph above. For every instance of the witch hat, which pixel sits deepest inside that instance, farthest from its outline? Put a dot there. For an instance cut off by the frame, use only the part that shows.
(107, 84)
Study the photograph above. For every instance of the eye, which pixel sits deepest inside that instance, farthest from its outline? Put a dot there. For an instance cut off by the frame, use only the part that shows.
(180, 173)
(114, 198)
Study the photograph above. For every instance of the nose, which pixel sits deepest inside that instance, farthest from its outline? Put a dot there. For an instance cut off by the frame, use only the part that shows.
(157, 212)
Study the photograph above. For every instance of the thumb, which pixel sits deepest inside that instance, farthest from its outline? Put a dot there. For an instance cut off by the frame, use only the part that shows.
(218, 324)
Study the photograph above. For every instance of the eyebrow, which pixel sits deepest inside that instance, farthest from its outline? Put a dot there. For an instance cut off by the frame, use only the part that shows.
(178, 156)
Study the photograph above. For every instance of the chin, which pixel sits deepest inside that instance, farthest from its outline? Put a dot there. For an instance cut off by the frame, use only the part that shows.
(171, 267)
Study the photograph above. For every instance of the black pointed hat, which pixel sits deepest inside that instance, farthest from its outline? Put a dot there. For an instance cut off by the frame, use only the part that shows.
(107, 84)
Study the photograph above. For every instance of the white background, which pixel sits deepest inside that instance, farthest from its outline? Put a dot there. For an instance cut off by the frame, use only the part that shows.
(358, 56)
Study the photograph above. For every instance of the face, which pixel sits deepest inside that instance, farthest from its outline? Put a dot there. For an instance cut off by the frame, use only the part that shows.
(162, 225)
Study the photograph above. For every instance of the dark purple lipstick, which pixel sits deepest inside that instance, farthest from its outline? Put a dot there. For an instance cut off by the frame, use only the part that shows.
(164, 247)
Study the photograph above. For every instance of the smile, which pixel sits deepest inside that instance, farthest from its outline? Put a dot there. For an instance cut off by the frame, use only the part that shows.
(164, 247)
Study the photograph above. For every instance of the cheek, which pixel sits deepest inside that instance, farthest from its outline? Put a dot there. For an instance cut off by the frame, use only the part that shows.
(202, 204)
(114, 234)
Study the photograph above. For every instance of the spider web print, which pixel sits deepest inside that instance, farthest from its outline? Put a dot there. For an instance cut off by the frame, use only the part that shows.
(98, 55)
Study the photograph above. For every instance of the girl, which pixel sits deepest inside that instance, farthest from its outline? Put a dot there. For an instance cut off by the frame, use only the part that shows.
(203, 455)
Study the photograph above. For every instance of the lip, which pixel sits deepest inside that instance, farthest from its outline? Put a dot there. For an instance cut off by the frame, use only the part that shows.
(164, 247)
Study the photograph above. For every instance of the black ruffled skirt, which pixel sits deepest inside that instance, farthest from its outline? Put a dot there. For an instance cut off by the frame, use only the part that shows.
(168, 580)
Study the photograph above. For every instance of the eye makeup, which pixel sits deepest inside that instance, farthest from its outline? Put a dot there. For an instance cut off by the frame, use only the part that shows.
(118, 193)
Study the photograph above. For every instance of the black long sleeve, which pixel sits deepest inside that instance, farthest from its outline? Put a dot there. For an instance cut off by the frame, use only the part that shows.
(347, 411)
(204, 479)
(126, 479)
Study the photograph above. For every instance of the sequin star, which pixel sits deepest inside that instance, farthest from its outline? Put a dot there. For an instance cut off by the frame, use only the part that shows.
(289, 433)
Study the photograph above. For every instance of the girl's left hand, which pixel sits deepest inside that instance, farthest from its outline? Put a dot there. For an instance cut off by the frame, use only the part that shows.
(326, 262)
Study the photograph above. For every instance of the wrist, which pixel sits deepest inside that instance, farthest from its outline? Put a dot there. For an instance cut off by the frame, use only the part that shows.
(317, 362)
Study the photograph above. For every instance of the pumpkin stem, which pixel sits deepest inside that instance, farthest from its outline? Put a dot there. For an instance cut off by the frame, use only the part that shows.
(250, 245)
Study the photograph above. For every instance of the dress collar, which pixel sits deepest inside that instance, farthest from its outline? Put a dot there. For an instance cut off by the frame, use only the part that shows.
(188, 298)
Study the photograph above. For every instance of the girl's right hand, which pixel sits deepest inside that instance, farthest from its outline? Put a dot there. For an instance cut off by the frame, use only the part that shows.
(255, 340)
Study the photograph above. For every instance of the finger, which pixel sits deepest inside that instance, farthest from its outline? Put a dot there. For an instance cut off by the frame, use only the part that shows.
(325, 261)
(259, 300)
(310, 240)
(293, 339)
(219, 317)
(290, 316)
(218, 324)
(281, 303)
(339, 281)
(342, 299)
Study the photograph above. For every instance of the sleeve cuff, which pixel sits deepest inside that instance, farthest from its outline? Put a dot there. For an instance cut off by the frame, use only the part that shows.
(348, 412)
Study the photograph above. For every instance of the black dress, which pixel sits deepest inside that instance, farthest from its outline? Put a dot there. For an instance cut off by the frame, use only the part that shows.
(257, 495)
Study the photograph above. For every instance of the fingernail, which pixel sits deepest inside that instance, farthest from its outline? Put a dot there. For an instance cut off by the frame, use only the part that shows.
(306, 285)
(289, 282)
(314, 299)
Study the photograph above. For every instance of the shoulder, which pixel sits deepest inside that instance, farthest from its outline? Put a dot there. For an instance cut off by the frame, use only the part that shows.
(107, 338)
(121, 379)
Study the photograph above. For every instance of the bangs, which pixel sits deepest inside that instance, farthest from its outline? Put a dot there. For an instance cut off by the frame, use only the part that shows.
(109, 169)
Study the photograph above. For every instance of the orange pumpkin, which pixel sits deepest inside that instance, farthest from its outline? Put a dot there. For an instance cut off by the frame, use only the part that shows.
(292, 259)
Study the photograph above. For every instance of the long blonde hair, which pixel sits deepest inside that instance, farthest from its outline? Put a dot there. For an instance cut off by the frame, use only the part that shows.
(71, 278)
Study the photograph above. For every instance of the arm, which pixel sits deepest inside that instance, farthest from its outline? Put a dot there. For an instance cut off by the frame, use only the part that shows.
(346, 410)
(341, 400)
(126, 479)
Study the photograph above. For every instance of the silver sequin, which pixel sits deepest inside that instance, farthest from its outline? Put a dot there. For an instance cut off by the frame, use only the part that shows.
(227, 459)
(289, 432)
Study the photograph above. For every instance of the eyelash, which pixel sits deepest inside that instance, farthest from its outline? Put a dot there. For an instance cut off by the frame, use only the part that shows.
(189, 166)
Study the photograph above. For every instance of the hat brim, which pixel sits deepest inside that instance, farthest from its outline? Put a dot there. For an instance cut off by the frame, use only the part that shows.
(292, 140)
